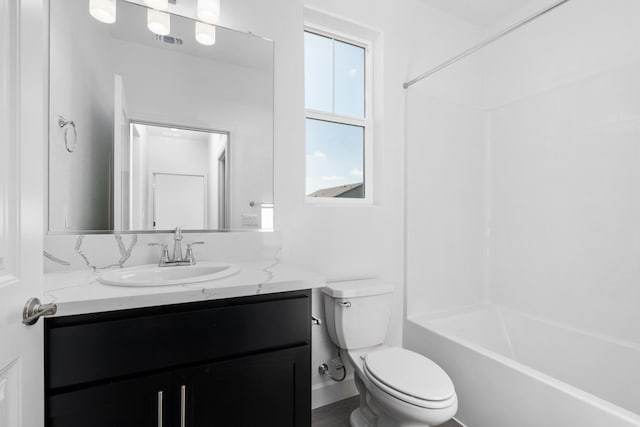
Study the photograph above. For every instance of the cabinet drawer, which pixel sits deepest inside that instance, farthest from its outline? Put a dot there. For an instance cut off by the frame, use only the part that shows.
(83, 349)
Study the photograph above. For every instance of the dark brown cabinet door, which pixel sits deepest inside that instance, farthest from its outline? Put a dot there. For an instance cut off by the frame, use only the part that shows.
(269, 389)
(142, 402)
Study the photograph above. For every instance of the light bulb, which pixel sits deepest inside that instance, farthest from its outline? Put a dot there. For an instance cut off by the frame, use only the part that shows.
(103, 10)
(157, 4)
(209, 11)
(158, 22)
(205, 34)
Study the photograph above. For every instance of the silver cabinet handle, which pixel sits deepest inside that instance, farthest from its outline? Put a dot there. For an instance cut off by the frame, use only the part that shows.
(345, 304)
(183, 406)
(160, 399)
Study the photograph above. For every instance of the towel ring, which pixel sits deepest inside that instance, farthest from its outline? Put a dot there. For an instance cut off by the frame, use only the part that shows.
(62, 123)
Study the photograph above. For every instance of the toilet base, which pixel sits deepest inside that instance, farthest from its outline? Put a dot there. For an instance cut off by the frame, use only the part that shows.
(357, 419)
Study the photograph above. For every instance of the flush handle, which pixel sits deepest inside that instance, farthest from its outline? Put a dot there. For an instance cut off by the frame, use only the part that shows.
(34, 310)
(346, 304)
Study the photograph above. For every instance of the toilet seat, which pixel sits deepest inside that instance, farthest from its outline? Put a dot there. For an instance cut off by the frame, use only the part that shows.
(410, 377)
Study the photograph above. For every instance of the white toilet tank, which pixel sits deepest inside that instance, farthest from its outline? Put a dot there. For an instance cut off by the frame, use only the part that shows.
(357, 312)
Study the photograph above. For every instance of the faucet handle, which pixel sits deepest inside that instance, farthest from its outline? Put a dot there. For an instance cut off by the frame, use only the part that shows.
(189, 256)
(163, 245)
(164, 258)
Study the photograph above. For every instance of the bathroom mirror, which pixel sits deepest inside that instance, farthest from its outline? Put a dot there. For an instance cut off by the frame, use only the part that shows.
(150, 132)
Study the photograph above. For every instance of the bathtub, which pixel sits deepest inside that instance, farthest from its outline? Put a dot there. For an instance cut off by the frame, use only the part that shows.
(515, 370)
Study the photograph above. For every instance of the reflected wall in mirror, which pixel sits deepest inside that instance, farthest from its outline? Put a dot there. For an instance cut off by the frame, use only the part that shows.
(151, 132)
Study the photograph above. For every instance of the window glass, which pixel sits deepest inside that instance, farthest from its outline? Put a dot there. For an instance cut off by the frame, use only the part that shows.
(318, 66)
(335, 159)
(349, 80)
(335, 90)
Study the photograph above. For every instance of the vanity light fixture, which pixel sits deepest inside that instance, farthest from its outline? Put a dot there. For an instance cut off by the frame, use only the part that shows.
(157, 4)
(205, 34)
(209, 11)
(158, 22)
(103, 10)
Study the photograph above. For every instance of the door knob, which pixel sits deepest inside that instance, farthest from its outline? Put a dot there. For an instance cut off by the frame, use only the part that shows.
(34, 310)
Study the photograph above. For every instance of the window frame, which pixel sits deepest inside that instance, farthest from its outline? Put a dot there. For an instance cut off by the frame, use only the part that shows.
(365, 123)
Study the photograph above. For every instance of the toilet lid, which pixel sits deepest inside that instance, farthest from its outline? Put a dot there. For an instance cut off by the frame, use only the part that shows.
(409, 373)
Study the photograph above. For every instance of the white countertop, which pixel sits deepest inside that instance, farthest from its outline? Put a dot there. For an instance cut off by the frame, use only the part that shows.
(79, 292)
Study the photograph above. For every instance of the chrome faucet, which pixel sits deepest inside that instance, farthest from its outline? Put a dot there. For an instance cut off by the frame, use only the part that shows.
(176, 259)
(177, 245)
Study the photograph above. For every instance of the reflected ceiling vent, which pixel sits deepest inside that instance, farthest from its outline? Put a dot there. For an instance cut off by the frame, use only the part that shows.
(169, 39)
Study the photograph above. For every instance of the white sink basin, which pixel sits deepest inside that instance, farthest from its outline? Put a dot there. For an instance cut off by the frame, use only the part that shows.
(152, 275)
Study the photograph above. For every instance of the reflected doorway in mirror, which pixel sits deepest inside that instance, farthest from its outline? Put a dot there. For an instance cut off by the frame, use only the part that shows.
(176, 176)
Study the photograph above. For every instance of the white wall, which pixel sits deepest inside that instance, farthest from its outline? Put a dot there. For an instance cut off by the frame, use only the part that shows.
(78, 203)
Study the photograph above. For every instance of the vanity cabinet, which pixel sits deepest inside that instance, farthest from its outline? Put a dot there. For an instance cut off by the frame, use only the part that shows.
(236, 362)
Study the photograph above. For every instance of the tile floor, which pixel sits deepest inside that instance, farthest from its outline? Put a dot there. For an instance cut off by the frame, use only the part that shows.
(337, 414)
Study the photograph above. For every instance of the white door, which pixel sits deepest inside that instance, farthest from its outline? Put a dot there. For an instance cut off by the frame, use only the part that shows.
(179, 200)
(22, 131)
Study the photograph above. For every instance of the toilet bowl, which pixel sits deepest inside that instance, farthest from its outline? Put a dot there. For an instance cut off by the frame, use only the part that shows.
(398, 387)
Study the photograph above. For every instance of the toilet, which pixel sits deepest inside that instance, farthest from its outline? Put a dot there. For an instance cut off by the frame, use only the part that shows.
(398, 387)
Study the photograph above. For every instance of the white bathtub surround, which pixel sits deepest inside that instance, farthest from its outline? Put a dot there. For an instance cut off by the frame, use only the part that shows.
(103, 251)
(80, 292)
(522, 184)
(521, 370)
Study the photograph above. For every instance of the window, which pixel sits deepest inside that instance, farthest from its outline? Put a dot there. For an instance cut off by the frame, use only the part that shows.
(337, 122)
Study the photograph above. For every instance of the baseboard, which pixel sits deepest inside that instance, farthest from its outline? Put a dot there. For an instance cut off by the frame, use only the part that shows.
(459, 422)
(326, 394)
